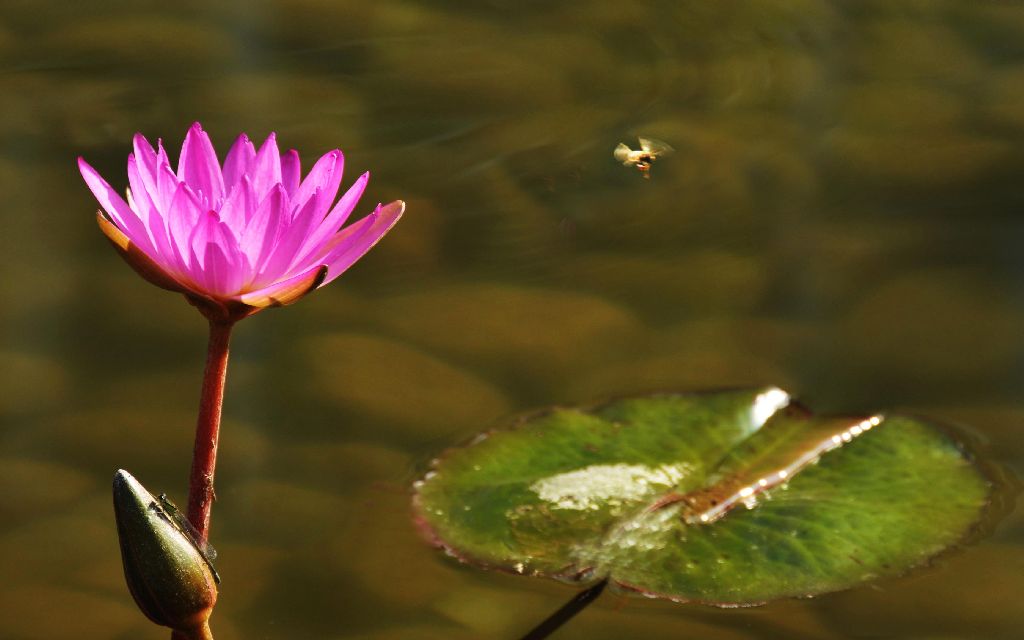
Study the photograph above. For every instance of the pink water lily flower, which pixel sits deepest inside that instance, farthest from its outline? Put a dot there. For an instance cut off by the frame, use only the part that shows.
(241, 237)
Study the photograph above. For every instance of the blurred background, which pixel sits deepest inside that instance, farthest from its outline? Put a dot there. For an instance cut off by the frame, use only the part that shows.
(843, 217)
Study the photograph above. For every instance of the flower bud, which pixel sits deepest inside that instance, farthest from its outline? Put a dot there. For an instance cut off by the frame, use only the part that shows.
(169, 575)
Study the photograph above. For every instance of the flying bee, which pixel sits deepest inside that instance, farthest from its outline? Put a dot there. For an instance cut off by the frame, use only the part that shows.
(644, 157)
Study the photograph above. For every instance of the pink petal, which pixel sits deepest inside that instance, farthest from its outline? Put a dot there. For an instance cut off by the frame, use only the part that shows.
(139, 261)
(366, 233)
(217, 264)
(151, 216)
(325, 177)
(239, 161)
(199, 168)
(286, 291)
(161, 154)
(277, 265)
(266, 169)
(117, 209)
(311, 249)
(291, 171)
(239, 206)
(166, 186)
(137, 188)
(145, 156)
(265, 226)
(182, 218)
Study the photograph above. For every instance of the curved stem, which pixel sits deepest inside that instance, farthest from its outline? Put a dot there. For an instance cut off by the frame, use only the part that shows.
(566, 613)
(204, 455)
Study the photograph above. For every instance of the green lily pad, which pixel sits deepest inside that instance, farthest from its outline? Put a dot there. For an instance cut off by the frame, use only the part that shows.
(731, 498)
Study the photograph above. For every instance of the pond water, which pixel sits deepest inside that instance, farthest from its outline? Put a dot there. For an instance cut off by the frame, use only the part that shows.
(843, 217)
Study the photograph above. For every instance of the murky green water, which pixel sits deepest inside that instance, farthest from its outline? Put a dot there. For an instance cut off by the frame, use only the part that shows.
(843, 217)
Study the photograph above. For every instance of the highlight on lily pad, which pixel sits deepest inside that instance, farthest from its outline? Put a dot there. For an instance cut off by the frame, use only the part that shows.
(731, 498)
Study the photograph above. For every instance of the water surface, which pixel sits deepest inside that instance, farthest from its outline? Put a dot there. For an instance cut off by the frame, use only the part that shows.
(842, 218)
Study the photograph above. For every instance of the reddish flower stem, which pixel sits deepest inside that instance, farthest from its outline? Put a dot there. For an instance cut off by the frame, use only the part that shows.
(204, 456)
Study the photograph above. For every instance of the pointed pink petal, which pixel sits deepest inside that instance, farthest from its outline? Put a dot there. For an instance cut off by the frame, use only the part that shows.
(139, 200)
(182, 218)
(117, 208)
(286, 291)
(254, 202)
(312, 247)
(145, 156)
(238, 207)
(291, 171)
(239, 161)
(223, 275)
(152, 218)
(264, 228)
(198, 167)
(266, 170)
(357, 243)
(217, 264)
(325, 177)
(161, 154)
(277, 266)
(166, 186)
(139, 261)
(166, 179)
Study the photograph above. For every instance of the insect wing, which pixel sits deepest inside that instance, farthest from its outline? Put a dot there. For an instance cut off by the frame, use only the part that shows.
(183, 525)
(655, 147)
(622, 153)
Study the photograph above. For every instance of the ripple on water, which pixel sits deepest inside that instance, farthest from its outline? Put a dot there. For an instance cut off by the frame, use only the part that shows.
(366, 374)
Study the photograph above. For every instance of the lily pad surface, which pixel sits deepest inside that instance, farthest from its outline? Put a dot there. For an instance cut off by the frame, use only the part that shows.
(731, 498)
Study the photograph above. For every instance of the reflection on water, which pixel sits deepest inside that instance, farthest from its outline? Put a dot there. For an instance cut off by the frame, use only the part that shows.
(841, 217)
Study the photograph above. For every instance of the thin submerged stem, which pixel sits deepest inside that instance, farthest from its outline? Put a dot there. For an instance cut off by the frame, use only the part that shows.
(204, 456)
(567, 612)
